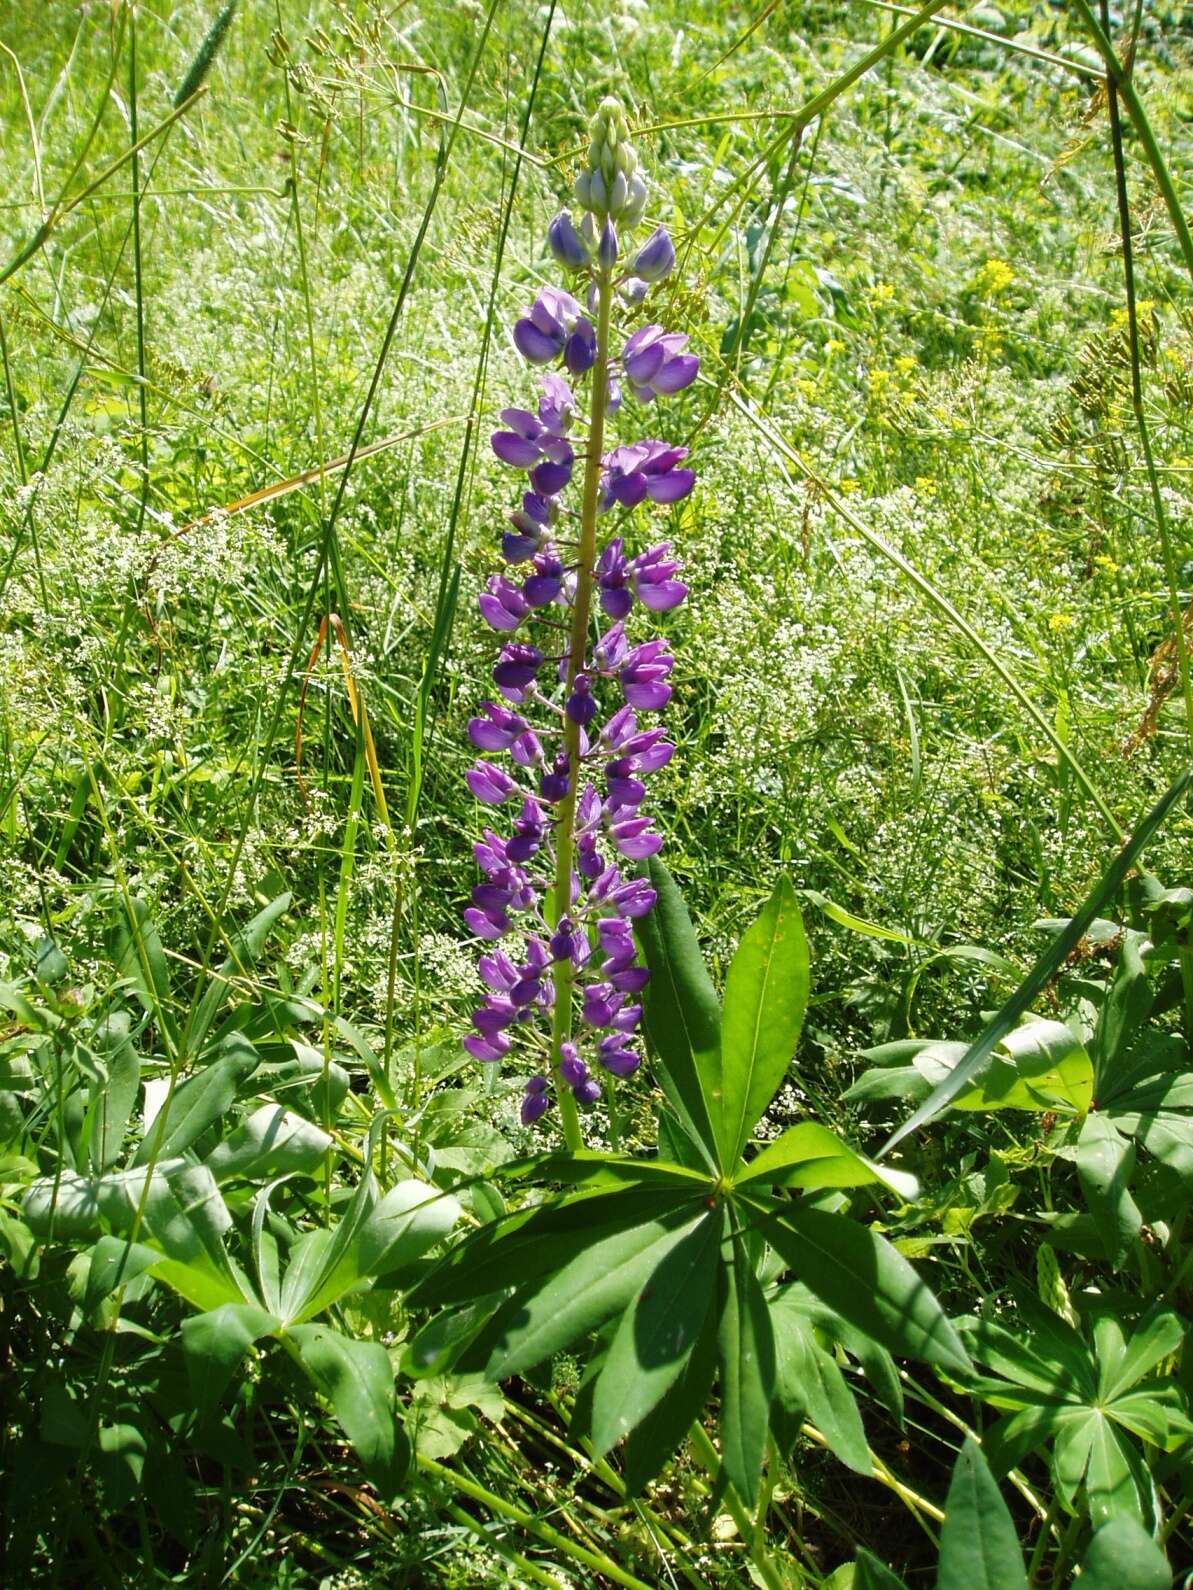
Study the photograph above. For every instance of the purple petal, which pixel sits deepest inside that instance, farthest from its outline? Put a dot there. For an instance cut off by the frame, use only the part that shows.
(538, 346)
(515, 450)
(671, 486)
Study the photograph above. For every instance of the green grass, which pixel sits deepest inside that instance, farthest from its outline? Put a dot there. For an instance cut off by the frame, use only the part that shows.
(323, 252)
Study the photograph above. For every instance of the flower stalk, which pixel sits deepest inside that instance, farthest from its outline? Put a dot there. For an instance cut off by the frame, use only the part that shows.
(561, 1027)
(579, 759)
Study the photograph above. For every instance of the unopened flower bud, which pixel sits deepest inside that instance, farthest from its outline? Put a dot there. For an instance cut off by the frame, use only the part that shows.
(565, 243)
(656, 257)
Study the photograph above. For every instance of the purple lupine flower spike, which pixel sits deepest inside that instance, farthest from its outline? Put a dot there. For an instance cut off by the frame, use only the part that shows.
(564, 749)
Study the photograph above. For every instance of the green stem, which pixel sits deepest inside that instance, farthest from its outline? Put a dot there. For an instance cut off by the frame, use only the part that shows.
(1128, 252)
(565, 972)
(532, 1525)
(710, 1461)
(1122, 81)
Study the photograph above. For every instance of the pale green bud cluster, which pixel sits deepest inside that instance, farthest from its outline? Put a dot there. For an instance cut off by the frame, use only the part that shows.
(611, 186)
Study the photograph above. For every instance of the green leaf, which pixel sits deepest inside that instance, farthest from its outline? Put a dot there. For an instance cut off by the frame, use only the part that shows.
(747, 1354)
(979, 1547)
(214, 1343)
(1122, 1553)
(1124, 1012)
(116, 1099)
(858, 1273)
(809, 1155)
(1045, 968)
(1058, 1365)
(658, 1437)
(136, 948)
(1105, 1161)
(657, 1333)
(1157, 1336)
(358, 1381)
(810, 1383)
(527, 1246)
(600, 1282)
(272, 1142)
(198, 1102)
(870, 1574)
(681, 1013)
(1116, 1479)
(395, 1231)
(114, 1262)
(766, 994)
(181, 1214)
(1039, 1066)
(243, 952)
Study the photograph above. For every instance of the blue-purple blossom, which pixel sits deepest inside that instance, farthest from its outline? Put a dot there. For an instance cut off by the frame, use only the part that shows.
(564, 749)
(655, 363)
(656, 258)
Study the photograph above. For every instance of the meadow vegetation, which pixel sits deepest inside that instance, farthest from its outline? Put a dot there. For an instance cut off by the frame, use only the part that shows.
(931, 700)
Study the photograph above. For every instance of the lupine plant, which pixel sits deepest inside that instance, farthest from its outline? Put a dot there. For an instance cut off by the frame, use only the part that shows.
(579, 685)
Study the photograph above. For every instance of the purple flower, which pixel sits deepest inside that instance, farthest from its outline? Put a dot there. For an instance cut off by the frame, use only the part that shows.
(531, 523)
(545, 584)
(536, 1101)
(502, 604)
(634, 837)
(651, 577)
(555, 324)
(481, 1048)
(607, 247)
(497, 730)
(616, 1056)
(490, 783)
(656, 258)
(645, 469)
(643, 674)
(516, 669)
(566, 244)
(655, 363)
(580, 706)
(571, 1068)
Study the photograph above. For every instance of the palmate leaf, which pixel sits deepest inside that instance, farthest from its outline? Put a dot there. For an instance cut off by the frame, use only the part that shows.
(746, 1347)
(657, 1332)
(1105, 1160)
(214, 1343)
(600, 1282)
(979, 1546)
(1038, 1066)
(766, 994)
(809, 1155)
(1122, 1553)
(865, 1280)
(271, 1142)
(682, 1016)
(1045, 968)
(358, 1381)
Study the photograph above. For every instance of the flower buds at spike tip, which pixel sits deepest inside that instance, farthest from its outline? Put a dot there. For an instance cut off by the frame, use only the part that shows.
(656, 258)
(566, 244)
(610, 186)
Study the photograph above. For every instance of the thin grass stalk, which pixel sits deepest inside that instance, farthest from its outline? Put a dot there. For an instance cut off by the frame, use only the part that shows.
(1141, 425)
(138, 279)
(1121, 79)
